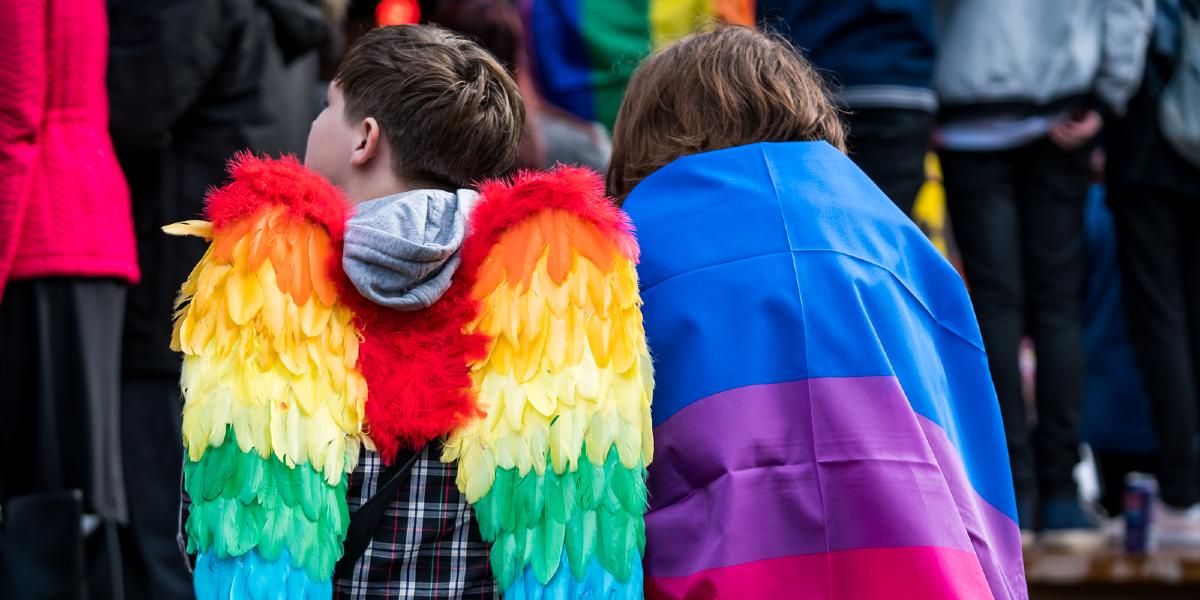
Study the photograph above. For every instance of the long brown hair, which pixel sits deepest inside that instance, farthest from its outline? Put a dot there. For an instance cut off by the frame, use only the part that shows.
(728, 87)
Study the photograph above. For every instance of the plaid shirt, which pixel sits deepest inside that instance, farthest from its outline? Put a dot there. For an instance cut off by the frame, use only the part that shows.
(427, 545)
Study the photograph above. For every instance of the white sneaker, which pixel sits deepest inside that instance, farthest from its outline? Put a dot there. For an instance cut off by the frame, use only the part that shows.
(1177, 528)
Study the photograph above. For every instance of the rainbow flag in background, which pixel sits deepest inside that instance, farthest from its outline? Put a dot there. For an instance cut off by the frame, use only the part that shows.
(824, 422)
(584, 51)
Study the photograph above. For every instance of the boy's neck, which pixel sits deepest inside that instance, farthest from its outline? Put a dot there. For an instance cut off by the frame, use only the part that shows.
(362, 190)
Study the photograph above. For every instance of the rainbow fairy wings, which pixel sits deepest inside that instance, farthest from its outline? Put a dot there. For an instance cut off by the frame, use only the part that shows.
(556, 469)
(274, 400)
(280, 352)
(534, 361)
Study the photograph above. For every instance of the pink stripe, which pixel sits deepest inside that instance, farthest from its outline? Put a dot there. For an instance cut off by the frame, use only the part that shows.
(816, 466)
(867, 574)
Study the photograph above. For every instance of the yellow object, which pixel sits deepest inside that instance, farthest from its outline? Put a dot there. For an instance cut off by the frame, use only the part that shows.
(929, 212)
(268, 350)
(568, 369)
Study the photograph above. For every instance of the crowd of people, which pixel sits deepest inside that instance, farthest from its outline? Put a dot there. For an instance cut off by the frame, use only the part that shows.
(1068, 136)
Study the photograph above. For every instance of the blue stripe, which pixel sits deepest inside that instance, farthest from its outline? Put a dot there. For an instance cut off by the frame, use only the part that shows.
(560, 55)
(596, 583)
(250, 577)
(778, 262)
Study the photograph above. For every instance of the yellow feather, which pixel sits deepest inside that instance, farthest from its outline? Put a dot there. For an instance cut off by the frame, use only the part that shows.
(535, 392)
(626, 393)
(501, 356)
(314, 316)
(203, 229)
(185, 333)
(601, 430)
(597, 336)
(557, 295)
(244, 296)
(576, 282)
(512, 402)
(274, 301)
(587, 381)
(477, 471)
(351, 340)
(566, 440)
(536, 436)
(555, 356)
(625, 284)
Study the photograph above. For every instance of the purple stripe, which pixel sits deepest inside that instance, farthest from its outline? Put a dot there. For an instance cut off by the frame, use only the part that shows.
(818, 465)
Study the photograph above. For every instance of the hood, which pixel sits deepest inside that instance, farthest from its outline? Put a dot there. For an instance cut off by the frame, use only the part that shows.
(402, 251)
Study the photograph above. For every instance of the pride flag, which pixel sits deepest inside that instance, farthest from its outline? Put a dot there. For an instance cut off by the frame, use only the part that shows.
(584, 51)
(824, 421)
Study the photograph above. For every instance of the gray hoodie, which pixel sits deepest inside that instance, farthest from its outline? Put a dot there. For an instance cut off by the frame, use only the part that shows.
(401, 251)
(1039, 52)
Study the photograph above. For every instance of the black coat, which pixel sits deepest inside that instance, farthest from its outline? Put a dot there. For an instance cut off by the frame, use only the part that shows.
(190, 84)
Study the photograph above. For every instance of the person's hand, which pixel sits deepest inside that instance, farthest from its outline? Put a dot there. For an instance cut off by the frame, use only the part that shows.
(1076, 129)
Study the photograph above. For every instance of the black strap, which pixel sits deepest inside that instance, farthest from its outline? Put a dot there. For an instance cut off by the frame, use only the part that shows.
(365, 520)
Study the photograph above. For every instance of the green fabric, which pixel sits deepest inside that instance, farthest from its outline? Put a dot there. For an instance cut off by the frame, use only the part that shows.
(592, 511)
(241, 501)
(617, 38)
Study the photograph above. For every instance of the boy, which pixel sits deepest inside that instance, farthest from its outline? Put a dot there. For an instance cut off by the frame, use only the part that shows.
(414, 116)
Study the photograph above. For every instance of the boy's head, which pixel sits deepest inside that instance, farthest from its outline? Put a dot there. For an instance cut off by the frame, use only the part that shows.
(728, 87)
(415, 106)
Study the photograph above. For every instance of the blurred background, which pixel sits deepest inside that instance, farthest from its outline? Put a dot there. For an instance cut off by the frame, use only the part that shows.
(1051, 150)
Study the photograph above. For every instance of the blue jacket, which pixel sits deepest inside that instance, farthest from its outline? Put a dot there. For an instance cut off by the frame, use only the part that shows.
(877, 53)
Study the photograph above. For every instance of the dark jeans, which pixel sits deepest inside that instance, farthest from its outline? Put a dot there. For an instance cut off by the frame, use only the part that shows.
(889, 145)
(1158, 247)
(1018, 221)
(150, 420)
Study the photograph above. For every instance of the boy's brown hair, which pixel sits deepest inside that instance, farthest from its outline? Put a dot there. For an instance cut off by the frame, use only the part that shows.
(728, 87)
(450, 112)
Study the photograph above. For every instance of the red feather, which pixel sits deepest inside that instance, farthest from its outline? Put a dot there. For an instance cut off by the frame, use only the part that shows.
(259, 182)
(573, 189)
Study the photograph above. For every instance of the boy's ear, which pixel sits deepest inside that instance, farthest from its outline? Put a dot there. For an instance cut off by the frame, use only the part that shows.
(367, 144)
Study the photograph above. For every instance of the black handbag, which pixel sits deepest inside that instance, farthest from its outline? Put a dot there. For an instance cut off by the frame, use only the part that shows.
(41, 547)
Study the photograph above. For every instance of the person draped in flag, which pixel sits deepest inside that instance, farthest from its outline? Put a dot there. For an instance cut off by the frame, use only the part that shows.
(824, 423)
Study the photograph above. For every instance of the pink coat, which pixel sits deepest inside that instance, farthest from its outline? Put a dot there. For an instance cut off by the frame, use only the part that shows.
(64, 204)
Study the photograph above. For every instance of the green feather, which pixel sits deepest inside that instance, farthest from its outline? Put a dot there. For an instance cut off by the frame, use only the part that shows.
(252, 509)
(287, 483)
(548, 549)
(639, 532)
(219, 468)
(485, 515)
(581, 541)
(615, 543)
(592, 512)
(505, 560)
(252, 478)
(505, 503)
(531, 500)
(562, 498)
(233, 486)
(310, 494)
(608, 496)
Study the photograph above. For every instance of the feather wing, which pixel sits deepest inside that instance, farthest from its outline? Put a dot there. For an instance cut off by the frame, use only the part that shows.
(556, 468)
(273, 401)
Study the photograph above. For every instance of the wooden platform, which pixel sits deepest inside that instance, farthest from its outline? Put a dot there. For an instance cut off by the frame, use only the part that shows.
(1113, 574)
